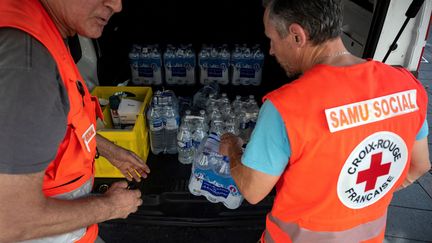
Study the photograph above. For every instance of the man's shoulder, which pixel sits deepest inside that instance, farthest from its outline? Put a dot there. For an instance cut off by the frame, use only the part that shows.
(14, 47)
(21, 50)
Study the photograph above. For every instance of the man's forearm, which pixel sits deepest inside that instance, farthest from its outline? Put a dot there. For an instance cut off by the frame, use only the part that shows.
(254, 185)
(26, 213)
(235, 154)
(51, 217)
(420, 163)
(236, 167)
(104, 146)
(415, 172)
(61, 216)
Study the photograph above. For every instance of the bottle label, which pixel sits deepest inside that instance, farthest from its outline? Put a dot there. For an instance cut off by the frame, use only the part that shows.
(214, 72)
(156, 125)
(247, 73)
(215, 190)
(196, 143)
(184, 144)
(178, 72)
(145, 72)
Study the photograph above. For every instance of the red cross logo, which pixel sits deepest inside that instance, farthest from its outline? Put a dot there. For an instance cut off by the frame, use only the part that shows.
(375, 170)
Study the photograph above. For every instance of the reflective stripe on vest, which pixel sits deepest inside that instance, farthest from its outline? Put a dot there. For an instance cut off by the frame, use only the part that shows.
(297, 234)
(75, 235)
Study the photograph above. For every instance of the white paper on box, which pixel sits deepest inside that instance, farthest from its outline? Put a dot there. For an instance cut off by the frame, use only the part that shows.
(128, 111)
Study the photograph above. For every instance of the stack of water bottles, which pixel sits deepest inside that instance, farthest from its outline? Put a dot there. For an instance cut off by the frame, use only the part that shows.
(198, 144)
(211, 175)
(214, 63)
(146, 65)
(247, 63)
(179, 65)
(241, 65)
(192, 131)
(221, 116)
(163, 119)
(238, 117)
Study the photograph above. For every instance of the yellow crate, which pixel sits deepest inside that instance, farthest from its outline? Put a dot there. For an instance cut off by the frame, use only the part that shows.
(135, 140)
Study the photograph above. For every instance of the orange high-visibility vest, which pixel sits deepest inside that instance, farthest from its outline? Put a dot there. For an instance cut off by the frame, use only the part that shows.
(351, 131)
(73, 164)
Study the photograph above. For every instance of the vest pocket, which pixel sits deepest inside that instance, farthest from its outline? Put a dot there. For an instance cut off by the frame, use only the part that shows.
(98, 110)
(85, 134)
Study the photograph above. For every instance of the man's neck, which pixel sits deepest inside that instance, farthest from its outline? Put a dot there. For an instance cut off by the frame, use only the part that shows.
(332, 52)
(53, 13)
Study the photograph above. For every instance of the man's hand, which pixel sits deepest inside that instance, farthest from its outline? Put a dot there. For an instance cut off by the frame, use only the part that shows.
(130, 164)
(253, 185)
(26, 213)
(122, 201)
(230, 145)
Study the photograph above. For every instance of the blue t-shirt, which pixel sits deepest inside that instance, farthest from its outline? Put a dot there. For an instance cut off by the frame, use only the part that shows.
(269, 149)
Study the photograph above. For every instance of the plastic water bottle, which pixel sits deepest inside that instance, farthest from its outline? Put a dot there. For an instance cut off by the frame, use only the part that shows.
(156, 65)
(187, 114)
(236, 64)
(231, 125)
(237, 104)
(258, 57)
(203, 58)
(199, 134)
(217, 127)
(211, 101)
(226, 112)
(168, 59)
(190, 64)
(134, 58)
(184, 142)
(253, 111)
(223, 102)
(214, 161)
(155, 121)
(201, 157)
(200, 98)
(203, 115)
(250, 99)
(146, 73)
(221, 166)
(247, 57)
(224, 56)
(215, 114)
(171, 126)
(243, 121)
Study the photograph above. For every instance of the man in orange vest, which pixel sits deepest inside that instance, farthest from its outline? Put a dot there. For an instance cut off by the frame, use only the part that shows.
(48, 120)
(337, 141)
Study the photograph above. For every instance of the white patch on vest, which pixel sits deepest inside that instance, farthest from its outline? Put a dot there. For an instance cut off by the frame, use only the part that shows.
(378, 109)
(372, 169)
(88, 135)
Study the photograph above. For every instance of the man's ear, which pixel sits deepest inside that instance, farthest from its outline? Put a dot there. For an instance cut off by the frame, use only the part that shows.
(298, 34)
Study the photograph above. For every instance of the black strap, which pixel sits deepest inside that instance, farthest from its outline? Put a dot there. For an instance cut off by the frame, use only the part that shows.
(410, 13)
(75, 48)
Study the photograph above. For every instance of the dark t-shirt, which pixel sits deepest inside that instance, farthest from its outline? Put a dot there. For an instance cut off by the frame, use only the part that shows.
(33, 104)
